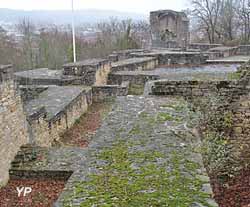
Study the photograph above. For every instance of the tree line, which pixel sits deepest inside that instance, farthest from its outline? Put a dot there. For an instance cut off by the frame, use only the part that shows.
(222, 21)
(51, 47)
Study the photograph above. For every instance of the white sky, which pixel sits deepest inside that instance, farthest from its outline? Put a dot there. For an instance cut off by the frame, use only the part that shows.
(138, 6)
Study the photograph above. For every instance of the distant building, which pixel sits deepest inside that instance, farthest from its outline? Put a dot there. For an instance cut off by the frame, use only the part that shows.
(169, 29)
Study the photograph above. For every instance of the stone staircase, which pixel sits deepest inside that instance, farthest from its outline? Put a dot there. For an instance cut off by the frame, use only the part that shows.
(27, 153)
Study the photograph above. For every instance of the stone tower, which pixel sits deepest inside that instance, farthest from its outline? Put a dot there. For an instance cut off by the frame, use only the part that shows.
(13, 127)
(169, 29)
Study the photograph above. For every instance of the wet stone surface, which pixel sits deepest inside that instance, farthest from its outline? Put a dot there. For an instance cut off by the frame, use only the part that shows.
(145, 153)
(185, 73)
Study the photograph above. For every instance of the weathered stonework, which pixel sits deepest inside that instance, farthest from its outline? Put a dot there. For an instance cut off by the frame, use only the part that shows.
(174, 57)
(169, 28)
(55, 111)
(135, 64)
(45, 76)
(107, 92)
(124, 54)
(203, 46)
(225, 51)
(138, 79)
(13, 126)
(92, 72)
(244, 50)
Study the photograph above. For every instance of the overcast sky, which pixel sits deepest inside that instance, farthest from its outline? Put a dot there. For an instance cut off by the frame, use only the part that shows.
(138, 6)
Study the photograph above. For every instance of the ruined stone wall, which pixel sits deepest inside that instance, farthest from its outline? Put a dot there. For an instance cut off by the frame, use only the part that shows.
(243, 50)
(203, 46)
(101, 77)
(90, 72)
(135, 64)
(140, 79)
(173, 57)
(169, 28)
(13, 126)
(234, 100)
(45, 132)
(191, 89)
(104, 93)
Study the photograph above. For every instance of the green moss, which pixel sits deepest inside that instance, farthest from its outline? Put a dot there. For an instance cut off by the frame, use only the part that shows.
(177, 107)
(163, 117)
(228, 119)
(135, 89)
(234, 76)
(136, 130)
(148, 184)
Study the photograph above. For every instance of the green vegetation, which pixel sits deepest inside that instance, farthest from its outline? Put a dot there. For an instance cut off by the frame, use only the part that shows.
(216, 129)
(234, 76)
(177, 107)
(135, 89)
(163, 117)
(135, 179)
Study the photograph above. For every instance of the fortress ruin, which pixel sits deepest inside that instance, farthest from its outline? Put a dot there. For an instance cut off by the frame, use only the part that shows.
(153, 122)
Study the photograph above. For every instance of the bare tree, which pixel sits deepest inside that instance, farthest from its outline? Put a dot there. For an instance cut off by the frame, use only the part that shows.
(28, 45)
(207, 11)
(243, 12)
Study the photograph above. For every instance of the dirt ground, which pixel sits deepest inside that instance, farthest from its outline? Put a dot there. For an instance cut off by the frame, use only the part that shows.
(44, 193)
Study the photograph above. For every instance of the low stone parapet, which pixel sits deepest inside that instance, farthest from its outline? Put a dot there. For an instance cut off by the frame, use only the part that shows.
(166, 57)
(104, 93)
(54, 111)
(135, 64)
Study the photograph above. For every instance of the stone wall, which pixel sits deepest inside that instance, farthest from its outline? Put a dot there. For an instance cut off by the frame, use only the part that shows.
(104, 93)
(234, 99)
(13, 126)
(203, 46)
(101, 77)
(119, 77)
(135, 64)
(225, 51)
(190, 89)
(124, 54)
(244, 50)
(91, 72)
(169, 28)
(29, 92)
(175, 57)
(44, 130)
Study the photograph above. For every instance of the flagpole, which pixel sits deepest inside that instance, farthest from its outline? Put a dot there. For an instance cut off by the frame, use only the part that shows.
(73, 32)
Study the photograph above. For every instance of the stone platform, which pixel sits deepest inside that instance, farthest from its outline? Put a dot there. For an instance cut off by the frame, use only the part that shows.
(174, 57)
(55, 110)
(135, 64)
(237, 59)
(204, 72)
(151, 134)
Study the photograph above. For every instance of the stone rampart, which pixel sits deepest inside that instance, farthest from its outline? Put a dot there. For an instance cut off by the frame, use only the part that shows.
(13, 126)
(104, 93)
(55, 111)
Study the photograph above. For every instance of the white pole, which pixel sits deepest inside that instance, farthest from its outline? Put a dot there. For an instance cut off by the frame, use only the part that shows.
(73, 32)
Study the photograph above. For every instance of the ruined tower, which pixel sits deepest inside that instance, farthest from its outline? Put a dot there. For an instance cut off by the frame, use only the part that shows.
(13, 128)
(169, 29)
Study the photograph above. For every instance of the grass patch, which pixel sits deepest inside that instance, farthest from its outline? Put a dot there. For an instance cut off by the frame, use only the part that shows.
(135, 89)
(234, 76)
(119, 184)
(176, 107)
(163, 117)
